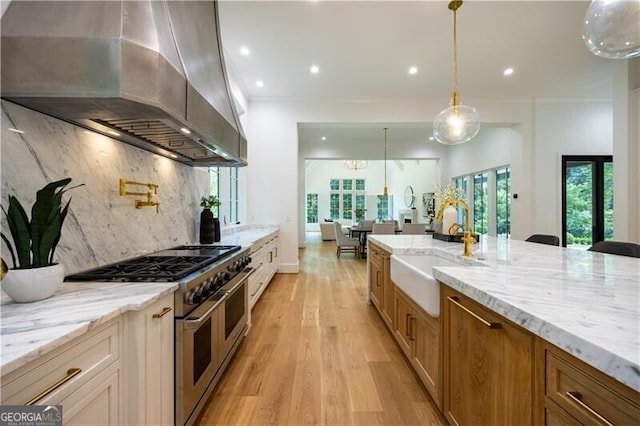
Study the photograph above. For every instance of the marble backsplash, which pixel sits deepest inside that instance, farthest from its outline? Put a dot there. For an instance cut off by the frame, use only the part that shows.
(102, 226)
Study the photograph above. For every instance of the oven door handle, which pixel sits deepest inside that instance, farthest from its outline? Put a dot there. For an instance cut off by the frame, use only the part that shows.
(194, 321)
(237, 281)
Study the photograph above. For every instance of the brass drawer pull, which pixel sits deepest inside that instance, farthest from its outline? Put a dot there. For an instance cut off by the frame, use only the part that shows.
(164, 312)
(454, 300)
(577, 398)
(71, 373)
(406, 326)
(412, 328)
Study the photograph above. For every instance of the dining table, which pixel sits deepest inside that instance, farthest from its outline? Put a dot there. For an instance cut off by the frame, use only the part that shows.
(361, 234)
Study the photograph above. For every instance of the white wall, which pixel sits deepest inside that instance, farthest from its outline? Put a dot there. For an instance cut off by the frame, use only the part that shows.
(564, 128)
(626, 147)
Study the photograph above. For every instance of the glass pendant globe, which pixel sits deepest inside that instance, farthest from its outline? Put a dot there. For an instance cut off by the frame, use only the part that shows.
(612, 28)
(456, 124)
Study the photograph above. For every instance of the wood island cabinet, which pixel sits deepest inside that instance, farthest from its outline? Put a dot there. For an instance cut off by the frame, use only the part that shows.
(574, 393)
(380, 284)
(375, 276)
(488, 366)
(418, 335)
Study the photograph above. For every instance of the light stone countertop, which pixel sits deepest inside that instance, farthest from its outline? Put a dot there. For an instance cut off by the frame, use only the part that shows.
(584, 302)
(30, 330)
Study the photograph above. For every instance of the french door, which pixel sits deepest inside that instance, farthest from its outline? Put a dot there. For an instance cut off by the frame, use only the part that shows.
(587, 200)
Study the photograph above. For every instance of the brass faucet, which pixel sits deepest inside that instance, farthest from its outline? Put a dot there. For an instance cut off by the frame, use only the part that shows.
(467, 239)
(153, 191)
(148, 203)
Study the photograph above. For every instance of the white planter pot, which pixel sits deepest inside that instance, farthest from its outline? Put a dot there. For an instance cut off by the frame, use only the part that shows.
(31, 285)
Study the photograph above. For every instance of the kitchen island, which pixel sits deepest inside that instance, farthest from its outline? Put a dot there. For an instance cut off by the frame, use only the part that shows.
(577, 315)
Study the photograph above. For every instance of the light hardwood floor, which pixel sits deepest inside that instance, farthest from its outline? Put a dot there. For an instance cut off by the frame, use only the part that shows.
(319, 354)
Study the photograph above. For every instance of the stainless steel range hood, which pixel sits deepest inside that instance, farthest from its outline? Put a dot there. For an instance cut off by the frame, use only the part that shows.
(149, 73)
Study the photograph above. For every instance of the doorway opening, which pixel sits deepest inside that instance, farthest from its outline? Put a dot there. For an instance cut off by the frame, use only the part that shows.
(587, 200)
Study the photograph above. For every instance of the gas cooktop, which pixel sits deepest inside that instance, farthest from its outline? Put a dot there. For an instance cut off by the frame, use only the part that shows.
(165, 265)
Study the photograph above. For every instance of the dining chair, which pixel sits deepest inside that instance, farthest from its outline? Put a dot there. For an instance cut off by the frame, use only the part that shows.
(617, 247)
(551, 240)
(414, 228)
(383, 228)
(366, 224)
(344, 243)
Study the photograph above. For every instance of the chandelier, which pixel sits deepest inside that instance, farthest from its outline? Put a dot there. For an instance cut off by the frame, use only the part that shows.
(612, 28)
(458, 123)
(355, 164)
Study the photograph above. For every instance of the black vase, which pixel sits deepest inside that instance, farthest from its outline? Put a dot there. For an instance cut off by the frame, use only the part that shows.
(207, 227)
(216, 229)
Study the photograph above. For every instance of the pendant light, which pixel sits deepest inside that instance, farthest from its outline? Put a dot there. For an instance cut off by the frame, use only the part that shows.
(458, 123)
(612, 28)
(385, 191)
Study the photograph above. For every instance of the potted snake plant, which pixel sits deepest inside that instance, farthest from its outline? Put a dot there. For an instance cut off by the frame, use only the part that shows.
(35, 275)
(209, 225)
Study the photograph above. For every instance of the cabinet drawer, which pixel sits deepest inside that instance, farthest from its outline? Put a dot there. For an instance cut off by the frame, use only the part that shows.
(586, 394)
(374, 255)
(91, 354)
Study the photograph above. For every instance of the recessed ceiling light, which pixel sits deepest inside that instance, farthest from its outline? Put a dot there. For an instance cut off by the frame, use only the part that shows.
(260, 83)
(430, 138)
(324, 138)
(244, 51)
(185, 130)
(314, 69)
(413, 70)
(508, 71)
(11, 129)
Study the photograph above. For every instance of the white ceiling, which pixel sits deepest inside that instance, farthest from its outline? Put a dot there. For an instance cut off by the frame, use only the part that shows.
(364, 50)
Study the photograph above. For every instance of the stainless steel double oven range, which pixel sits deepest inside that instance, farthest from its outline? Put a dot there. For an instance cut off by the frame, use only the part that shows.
(211, 311)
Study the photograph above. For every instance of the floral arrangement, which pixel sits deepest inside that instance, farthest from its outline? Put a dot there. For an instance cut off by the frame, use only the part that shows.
(448, 191)
(210, 201)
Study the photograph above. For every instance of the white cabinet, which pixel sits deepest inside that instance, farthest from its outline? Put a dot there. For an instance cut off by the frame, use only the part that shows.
(84, 376)
(264, 261)
(148, 366)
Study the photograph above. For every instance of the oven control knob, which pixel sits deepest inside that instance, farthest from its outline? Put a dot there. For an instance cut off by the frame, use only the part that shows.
(211, 284)
(188, 297)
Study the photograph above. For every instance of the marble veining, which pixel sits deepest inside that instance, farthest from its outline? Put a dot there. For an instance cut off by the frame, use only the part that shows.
(584, 302)
(102, 227)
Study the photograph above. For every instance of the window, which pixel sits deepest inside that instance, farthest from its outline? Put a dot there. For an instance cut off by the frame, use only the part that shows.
(214, 187)
(312, 208)
(347, 206)
(480, 201)
(343, 193)
(334, 206)
(461, 185)
(384, 207)
(490, 200)
(503, 202)
(233, 195)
